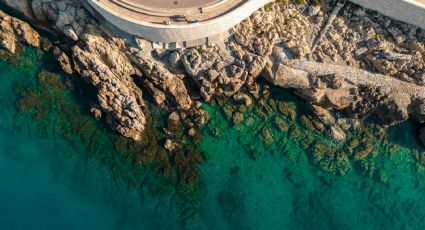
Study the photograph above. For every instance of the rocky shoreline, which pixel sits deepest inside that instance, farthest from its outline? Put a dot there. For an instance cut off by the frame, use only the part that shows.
(367, 64)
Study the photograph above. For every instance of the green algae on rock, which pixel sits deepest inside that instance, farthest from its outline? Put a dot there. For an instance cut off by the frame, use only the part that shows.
(294, 179)
(277, 120)
(281, 143)
(53, 99)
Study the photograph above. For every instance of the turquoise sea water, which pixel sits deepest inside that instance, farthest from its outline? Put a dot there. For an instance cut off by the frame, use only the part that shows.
(54, 181)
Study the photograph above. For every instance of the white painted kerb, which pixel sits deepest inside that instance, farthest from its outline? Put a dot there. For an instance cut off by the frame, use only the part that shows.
(179, 33)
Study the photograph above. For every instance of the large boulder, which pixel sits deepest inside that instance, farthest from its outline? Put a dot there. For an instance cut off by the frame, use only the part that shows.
(21, 6)
(13, 30)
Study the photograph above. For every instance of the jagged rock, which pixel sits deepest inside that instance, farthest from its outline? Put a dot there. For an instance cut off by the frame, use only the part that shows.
(119, 97)
(46, 44)
(64, 60)
(418, 111)
(286, 77)
(173, 121)
(255, 64)
(192, 132)
(170, 145)
(196, 63)
(22, 6)
(97, 112)
(161, 78)
(110, 65)
(199, 116)
(233, 80)
(257, 34)
(394, 96)
(13, 30)
(174, 60)
(323, 114)
(395, 110)
(338, 98)
(337, 133)
(158, 96)
(67, 16)
(329, 93)
(243, 99)
(313, 10)
(207, 90)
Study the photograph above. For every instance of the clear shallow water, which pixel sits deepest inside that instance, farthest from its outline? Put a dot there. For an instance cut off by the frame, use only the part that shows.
(31, 195)
(283, 190)
(49, 182)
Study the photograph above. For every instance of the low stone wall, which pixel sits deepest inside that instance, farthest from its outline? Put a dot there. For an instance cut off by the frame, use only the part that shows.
(179, 33)
(408, 11)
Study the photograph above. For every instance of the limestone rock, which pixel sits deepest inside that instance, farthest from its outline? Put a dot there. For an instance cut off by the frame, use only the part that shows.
(395, 110)
(97, 112)
(233, 80)
(22, 6)
(337, 133)
(119, 98)
(64, 60)
(170, 145)
(286, 77)
(324, 115)
(171, 85)
(13, 30)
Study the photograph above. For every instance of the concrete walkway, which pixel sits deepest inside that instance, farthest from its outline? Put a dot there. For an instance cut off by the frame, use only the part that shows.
(359, 77)
(163, 12)
(409, 11)
(148, 22)
(172, 4)
(185, 23)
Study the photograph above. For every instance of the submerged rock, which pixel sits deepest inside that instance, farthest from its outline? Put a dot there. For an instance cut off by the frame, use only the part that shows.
(339, 87)
(254, 50)
(238, 118)
(170, 145)
(337, 133)
(422, 135)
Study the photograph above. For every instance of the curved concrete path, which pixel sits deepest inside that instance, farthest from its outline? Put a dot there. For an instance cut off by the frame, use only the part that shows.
(200, 24)
(172, 4)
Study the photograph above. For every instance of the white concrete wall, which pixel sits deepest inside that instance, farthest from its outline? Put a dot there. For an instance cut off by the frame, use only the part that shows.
(179, 33)
(409, 11)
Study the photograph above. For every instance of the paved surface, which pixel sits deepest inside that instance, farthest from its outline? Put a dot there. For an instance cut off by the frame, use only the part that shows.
(173, 3)
(359, 77)
(185, 23)
(409, 11)
(171, 11)
(196, 22)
